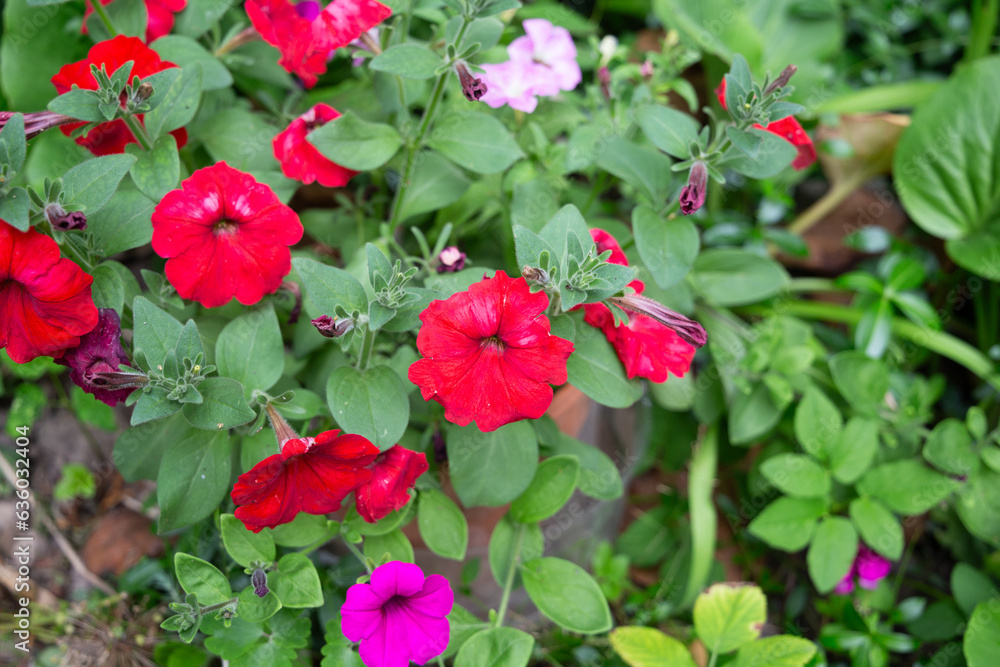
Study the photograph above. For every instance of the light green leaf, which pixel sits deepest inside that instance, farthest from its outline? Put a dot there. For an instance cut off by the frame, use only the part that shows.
(553, 484)
(245, 546)
(878, 527)
(831, 554)
(566, 595)
(355, 143)
(908, 486)
(726, 616)
(201, 578)
(370, 403)
(491, 468)
(594, 369)
(296, 582)
(496, 647)
(442, 525)
(797, 475)
(788, 523)
(476, 141)
(410, 61)
(668, 248)
(731, 277)
(648, 647)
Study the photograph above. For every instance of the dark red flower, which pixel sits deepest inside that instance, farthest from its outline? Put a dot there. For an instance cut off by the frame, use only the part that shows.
(311, 475)
(225, 235)
(393, 474)
(693, 194)
(45, 302)
(109, 138)
(788, 129)
(306, 43)
(300, 160)
(160, 15)
(99, 352)
(488, 354)
(645, 347)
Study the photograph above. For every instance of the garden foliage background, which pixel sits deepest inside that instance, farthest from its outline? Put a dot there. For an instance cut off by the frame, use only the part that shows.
(818, 484)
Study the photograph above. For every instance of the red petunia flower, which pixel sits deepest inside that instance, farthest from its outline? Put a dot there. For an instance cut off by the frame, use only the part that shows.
(645, 347)
(160, 15)
(305, 37)
(488, 354)
(300, 160)
(393, 474)
(788, 129)
(311, 475)
(45, 301)
(224, 235)
(109, 138)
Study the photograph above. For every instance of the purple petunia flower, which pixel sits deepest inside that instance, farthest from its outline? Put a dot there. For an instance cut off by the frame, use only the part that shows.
(94, 362)
(542, 62)
(398, 616)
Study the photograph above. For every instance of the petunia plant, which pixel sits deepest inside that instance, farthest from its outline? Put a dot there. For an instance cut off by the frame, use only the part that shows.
(341, 267)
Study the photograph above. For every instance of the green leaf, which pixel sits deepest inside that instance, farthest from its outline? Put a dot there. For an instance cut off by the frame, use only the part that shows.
(107, 288)
(442, 525)
(370, 403)
(566, 595)
(496, 647)
(553, 484)
(949, 448)
(670, 130)
(599, 476)
(773, 155)
(329, 287)
(978, 506)
(138, 450)
(863, 382)
(355, 143)
(831, 554)
(256, 609)
(250, 350)
(797, 475)
(668, 248)
(223, 406)
(818, 423)
(981, 644)
(435, 183)
(245, 546)
(184, 51)
(179, 103)
(395, 544)
(156, 172)
(303, 530)
(201, 578)
(908, 486)
(75, 481)
(199, 16)
(124, 223)
(594, 369)
(643, 168)
(878, 527)
(476, 141)
(853, 451)
(648, 647)
(155, 332)
(745, 142)
(153, 405)
(502, 544)
(780, 651)
(730, 277)
(90, 185)
(726, 616)
(788, 523)
(189, 344)
(971, 587)
(129, 17)
(92, 411)
(296, 582)
(950, 193)
(492, 468)
(752, 415)
(13, 145)
(410, 61)
(195, 481)
(15, 210)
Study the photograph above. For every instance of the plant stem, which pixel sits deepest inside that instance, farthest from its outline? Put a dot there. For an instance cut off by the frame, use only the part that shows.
(511, 571)
(829, 201)
(217, 605)
(102, 14)
(984, 24)
(360, 556)
(701, 475)
(239, 39)
(418, 140)
(367, 345)
(139, 132)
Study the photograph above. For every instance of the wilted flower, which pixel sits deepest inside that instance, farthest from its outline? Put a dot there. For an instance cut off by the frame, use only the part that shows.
(60, 219)
(393, 475)
(451, 259)
(332, 328)
(693, 194)
(94, 362)
(472, 88)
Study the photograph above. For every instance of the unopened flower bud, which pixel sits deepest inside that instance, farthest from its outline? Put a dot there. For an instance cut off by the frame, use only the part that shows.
(535, 274)
(451, 259)
(604, 76)
(332, 328)
(782, 80)
(693, 194)
(60, 219)
(144, 91)
(472, 87)
(684, 327)
(37, 122)
(259, 582)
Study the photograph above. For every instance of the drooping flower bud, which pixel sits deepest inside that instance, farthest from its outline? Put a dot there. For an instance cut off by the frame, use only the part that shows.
(332, 328)
(535, 274)
(693, 194)
(450, 260)
(94, 362)
(782, 80)
(604, 76)
(259, 582)
(686, 328)
(60, 219)
(472, 87)
(37, 122)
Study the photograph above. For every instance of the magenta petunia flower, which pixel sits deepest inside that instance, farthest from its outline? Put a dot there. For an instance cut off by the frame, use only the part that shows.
(542, 62)
(399, 616)
(869, 568)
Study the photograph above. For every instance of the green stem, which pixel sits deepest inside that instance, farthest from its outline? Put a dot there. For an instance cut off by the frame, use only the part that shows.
(984, 24)
(814, 285)
(102, 14)
(367, 345)
(511, 571)
(317, 544)
(360, 556)
(138, 131)
(701, 476)
(218, 605)
(936, 341)
(829, 201)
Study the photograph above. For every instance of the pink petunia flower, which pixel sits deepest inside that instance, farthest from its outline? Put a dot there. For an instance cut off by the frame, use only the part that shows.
(542, 62)
(869, 568)
(399, 616)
